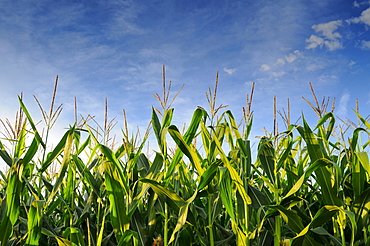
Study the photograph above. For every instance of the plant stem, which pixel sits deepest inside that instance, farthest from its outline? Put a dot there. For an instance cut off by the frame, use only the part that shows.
(342, 236)
(165, 232)
(277, 236)
(246, 218)
(210, 227)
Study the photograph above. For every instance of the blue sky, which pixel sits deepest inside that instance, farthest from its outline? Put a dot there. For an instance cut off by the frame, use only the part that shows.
(116, 49)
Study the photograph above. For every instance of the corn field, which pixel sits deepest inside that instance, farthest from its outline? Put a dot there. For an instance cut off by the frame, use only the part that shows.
(305, 185)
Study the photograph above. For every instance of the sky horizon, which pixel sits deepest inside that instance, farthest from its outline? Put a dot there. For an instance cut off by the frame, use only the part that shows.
(116, 50)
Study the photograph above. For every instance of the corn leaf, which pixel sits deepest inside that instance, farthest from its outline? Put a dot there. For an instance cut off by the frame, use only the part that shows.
(188, 138)
(5, 156)
(34, 224)
(183, 214)
(30, 120)
(74, 235)
(116, 194)
(364, 160)
(324, 175)
(186, 149)
(266, 155)
(208, 175)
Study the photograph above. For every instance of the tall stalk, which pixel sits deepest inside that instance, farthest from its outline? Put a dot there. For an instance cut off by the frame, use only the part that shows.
(210, 222)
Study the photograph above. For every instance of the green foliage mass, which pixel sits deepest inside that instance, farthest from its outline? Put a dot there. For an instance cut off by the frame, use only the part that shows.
(304, 186)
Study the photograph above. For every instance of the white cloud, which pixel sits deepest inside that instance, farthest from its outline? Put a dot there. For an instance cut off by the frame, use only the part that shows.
(329, 39)
(314, 67)
(327, 36)
(278, 74)
(293, 56)
(333, 45)
(351, 63)
(279, 62)
(326, 78)
(364, 18)
(265, 67)
(249, 83)
(359, 4)
(327, 29)
(314, 41)
(282, 61)
(343, 104)
(365, 45)
(229, 70)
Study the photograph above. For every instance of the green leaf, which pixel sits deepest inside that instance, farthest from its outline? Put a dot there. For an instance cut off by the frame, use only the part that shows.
(364, 160)
(364, 121)
(165, 193)
(296, 186)
(322, 231)
(5, 156)
(331, 124)
(61, 241)
(74, 235)
(34, 224)
(233, 173)
(325, 214)
(156, 125)
(61, 146)
(138, 225)
(21, 143)
(13, 191)
(314, 150)
(32, 150)
(64, 164)
(316, 165)
(266, 155)
(116, 193)
(186, 149)
(208, 175)
(126, 238)
(86, 174)
(324, 175)
(290, 217)
(188, 138)
(33, 126)
(226, 192)
(362, 207)
(6, 228)
(183, 214)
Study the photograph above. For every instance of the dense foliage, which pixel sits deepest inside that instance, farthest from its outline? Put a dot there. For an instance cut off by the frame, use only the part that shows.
(304, 186)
